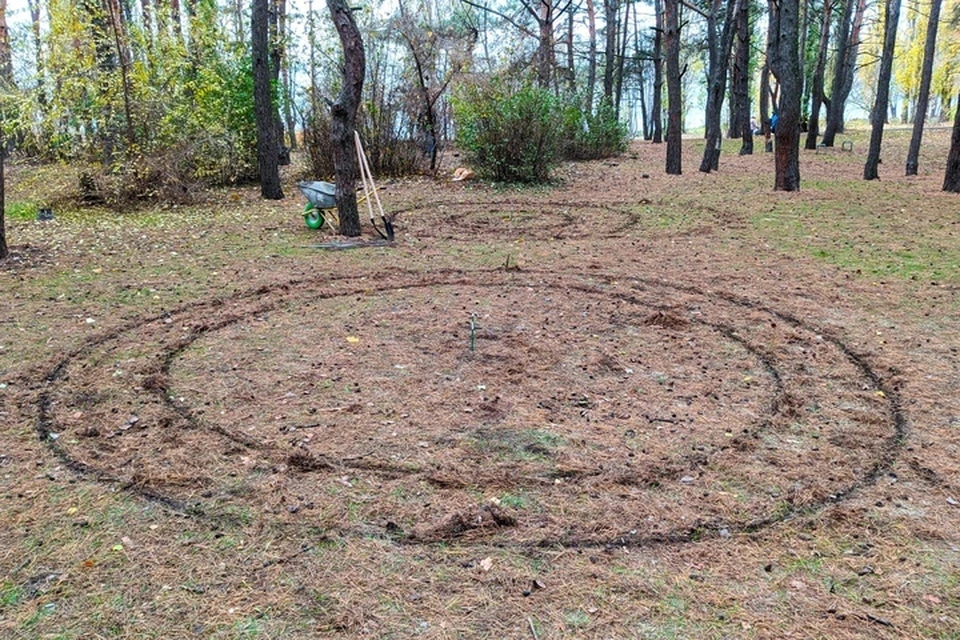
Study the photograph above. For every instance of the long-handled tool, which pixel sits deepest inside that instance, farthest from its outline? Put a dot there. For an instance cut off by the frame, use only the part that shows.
(369, 188)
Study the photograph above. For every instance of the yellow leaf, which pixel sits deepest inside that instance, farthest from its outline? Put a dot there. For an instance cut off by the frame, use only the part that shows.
(353, 339)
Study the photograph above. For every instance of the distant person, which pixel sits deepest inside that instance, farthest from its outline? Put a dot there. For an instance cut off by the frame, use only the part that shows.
(754, 126)
(773, 122)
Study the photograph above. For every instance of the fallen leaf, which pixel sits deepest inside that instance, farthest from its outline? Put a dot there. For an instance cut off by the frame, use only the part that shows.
(486, 564)
(353, 339)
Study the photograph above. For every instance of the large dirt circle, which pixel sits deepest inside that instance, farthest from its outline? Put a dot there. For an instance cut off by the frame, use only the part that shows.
(508, 406)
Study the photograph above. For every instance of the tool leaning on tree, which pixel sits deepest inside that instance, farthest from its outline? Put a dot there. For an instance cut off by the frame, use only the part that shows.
(321, 198)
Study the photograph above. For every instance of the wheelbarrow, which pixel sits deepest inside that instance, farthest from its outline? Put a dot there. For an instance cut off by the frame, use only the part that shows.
(321, 198)
(321, 205)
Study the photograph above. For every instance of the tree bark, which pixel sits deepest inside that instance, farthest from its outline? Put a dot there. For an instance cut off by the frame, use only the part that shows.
(571, 61)
(719, 51)
(7, 82)
(6, 59)
(923, 97)
(621, 59)
(177, 19)
(267, 144)
(951, 178)
(611, 11)
(785, 65)
(878, 116)
(816, 92)
(741, 86)
(591, 55)
(125, 57)
(765, 101)
(546, 61)
(238, 22)
(344, 116)
(4, 250)
(671, 41)
(657, 114)
(277, 54)
(34, 6)
(285, 78)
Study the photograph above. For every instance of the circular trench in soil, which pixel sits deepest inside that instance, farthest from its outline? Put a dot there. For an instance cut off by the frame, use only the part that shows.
(508, 407)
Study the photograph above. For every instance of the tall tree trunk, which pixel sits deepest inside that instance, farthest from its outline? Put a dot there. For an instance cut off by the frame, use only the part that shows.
(802, 37)
(719, 51)
(644, 118)
(277, 53)
(951, 178)
(7, 85)
(786, 67)
(741, 85)
(427, 117)
(611, 11)
(923, 98)
(878, 116)
(545, 53)
(344, 112)
(312, 42)
(177, 19)
(816, 93)
(38, 48)
(848, 44)
(591, 55)
(6, 59)
(267, 145)
(734, 110)
(4, 250)
(658, 74)
(146, 11)
(105, 54)
(238, 20)
(571, 61)
(287, 85)
(766, 96)
(125, 58)
(671, 42)
(621, 58)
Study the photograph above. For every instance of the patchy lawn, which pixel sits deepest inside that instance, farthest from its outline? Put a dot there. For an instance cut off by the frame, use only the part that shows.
(628, 405)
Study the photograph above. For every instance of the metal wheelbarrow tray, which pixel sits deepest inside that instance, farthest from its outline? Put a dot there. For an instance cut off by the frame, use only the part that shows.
(320, 195)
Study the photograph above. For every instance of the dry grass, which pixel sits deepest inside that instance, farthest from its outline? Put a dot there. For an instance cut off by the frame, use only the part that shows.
(694, 408)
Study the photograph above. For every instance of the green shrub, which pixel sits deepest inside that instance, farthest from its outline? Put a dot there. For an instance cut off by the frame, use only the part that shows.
(511, 134)
(593, 136)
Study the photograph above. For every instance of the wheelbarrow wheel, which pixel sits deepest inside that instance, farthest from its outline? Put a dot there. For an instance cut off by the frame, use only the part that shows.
(313, 218)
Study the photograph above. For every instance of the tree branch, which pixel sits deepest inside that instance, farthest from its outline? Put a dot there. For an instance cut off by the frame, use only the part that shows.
(501, 15)
(696, 10)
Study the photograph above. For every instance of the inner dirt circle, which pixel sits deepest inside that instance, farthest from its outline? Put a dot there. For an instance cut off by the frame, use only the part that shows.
(505, 406)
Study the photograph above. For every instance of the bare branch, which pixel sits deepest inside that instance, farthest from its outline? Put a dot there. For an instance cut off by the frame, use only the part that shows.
(696, 9)
(501, 15)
